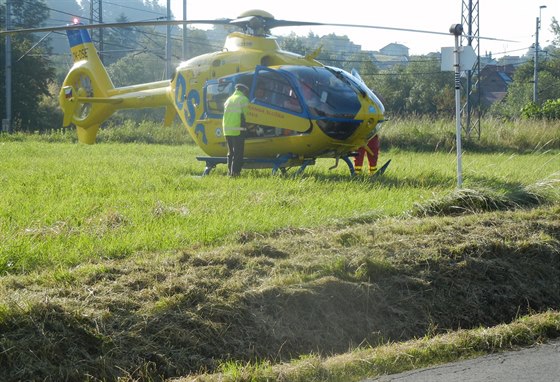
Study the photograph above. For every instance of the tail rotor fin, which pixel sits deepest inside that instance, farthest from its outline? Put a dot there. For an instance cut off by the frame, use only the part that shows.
(87, 81)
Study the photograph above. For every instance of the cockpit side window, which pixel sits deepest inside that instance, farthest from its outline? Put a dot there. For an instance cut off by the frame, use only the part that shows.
(217, 92)
(325, 94)
(274, 89)
(216, 95)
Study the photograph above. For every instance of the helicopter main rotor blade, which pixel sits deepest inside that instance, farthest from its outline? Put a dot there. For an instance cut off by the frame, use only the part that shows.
(116, 25)
(281, 23)
(268, 22)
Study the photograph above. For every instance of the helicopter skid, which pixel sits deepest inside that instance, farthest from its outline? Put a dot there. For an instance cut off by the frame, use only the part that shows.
(280, 162)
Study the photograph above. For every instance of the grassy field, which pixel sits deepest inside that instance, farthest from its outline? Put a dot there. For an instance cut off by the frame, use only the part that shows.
(64, 204)
(121, 261)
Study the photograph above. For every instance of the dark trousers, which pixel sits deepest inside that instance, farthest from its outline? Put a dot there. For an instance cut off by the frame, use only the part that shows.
(236, 148)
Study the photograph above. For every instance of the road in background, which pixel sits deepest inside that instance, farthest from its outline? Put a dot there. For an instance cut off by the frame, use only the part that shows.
(540, 363)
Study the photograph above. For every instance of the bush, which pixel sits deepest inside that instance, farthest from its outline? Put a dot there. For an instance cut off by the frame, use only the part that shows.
(549, 110)
(144, 132)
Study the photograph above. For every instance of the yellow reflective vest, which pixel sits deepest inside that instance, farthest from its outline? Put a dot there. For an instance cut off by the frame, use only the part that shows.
(235, 105)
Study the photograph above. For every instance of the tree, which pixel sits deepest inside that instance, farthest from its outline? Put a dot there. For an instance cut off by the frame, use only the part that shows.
(294, 44)
(419, 87)
(137, 68)
(118, 42)
(519, 99)
(555, 27)
(197, 43)
(31, 70)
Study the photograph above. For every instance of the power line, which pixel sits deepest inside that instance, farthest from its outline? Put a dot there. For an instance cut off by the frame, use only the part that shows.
(135, 9)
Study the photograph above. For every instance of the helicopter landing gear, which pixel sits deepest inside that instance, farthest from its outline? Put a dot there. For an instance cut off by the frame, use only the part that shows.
(350, 165)
(382, 169)
(281, 163)
(347, 160)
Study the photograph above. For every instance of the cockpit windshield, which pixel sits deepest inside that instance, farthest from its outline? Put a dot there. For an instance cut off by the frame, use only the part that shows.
(329, 98)
(325, 93)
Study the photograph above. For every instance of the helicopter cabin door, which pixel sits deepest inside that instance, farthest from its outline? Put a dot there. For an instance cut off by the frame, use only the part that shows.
(276, 105)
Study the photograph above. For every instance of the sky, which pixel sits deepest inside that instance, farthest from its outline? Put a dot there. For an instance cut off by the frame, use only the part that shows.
(499, 19)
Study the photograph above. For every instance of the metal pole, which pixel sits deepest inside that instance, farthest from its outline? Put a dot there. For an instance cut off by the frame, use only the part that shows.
(468, 86)
(7, 122)
(457, 30)
(168, 43)
(185, 30)
(101, 45)
(536, 65)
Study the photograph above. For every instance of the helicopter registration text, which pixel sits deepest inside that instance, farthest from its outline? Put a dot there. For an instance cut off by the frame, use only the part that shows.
(80, 54)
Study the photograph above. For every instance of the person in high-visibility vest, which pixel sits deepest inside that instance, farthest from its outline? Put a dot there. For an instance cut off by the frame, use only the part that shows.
(372, 154)
(236, 108)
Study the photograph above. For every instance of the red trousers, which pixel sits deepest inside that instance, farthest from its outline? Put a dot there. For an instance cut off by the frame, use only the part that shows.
(373, 145)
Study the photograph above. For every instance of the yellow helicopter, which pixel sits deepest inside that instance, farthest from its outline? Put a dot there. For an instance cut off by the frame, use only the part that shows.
(300, 109)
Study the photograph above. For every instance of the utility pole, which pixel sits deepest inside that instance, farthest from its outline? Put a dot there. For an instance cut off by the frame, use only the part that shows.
(168, 43)
(471, 109)
(536, 66)
(96, 15)
(7, 122)
(185, 30)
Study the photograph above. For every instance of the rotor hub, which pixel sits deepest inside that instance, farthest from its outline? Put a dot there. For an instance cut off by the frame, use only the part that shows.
(255, 22)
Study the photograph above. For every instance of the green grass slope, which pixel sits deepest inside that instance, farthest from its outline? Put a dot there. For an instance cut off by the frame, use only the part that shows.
(272, 298)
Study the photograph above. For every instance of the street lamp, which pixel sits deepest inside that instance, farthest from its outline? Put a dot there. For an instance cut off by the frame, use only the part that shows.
(536, 66)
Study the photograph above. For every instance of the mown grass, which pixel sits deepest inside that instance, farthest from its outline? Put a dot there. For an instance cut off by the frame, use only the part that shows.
(64, 203)
(119, 262)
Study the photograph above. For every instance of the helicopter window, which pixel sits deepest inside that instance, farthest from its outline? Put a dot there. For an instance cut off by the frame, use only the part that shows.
(216, 96)
(325, 93)
(274, 89)
(329, 98)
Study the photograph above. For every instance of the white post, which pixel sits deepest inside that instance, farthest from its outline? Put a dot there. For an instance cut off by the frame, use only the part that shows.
(457, 30)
